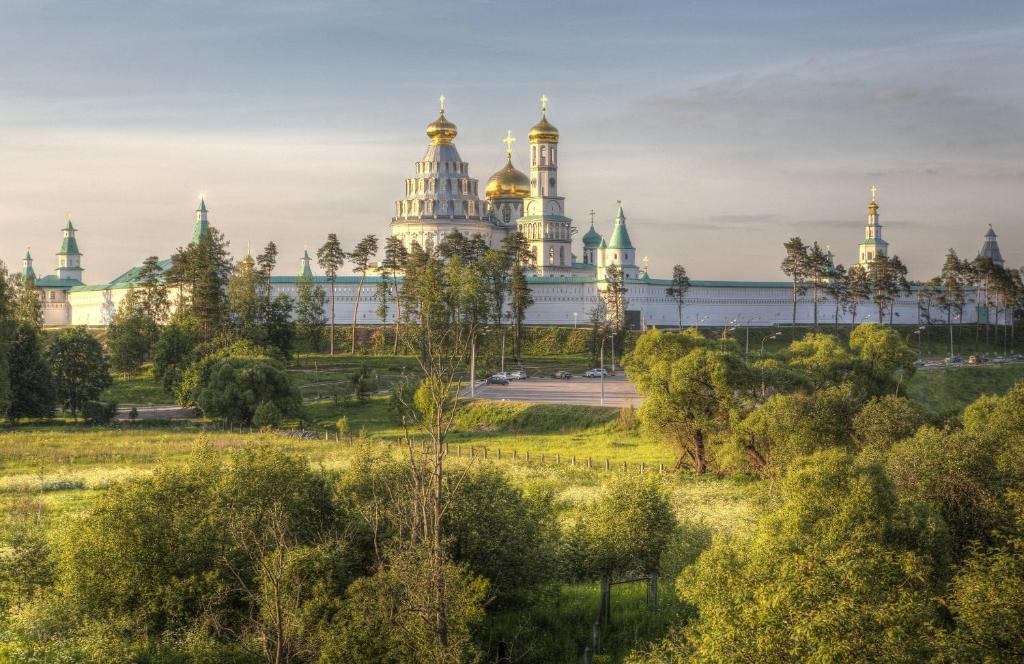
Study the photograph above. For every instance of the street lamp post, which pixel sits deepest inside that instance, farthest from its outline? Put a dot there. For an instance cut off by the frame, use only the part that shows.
(613, 353)
(575, 315)
(602, 370)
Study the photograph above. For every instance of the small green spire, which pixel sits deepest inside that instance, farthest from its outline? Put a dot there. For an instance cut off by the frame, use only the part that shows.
(304, 271)
(202, 204)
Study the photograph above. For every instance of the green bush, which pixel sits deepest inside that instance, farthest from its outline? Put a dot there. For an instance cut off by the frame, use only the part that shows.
(99, 412)
(236, 386)
(267, 415)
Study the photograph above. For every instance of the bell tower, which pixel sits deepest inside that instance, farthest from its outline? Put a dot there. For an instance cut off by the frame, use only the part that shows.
(544, 223)
(872, 245)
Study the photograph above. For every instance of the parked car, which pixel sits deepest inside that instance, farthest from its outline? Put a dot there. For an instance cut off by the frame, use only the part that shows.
(497, 379)
(595, 373)
(998, 359)
(563, 375)
(954, 359)
(1017, 357)
(518, 374)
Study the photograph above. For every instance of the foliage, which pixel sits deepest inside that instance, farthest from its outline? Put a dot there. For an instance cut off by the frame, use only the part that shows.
(678, 288)
(267, 415)
(32, 392)
(883, 354)
(360, 257)
(80, 370)
(330, 257)
(389, 616)
(200, 273)
(884, 421)
(173, 353)
(99, 412)
(235, 387)
(309, 314)
(626, 531)
(131, 336)
(838, 571)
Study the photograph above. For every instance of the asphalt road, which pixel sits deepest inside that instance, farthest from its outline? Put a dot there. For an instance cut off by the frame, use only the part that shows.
(579, 391)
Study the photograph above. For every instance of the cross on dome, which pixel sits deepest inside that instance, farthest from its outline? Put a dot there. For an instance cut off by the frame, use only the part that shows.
(442, 104)
(874, 193)
(508, 141)
(543, 103)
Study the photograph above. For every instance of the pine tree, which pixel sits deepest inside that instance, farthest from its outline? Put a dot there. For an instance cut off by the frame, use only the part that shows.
(309, 313)
(677, 291)
(360, 258)
(391, 267)
(330, 257)
(794, 267)
(32, 392)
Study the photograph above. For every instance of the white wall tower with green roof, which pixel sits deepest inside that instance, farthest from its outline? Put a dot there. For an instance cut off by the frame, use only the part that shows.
(202, 226)
(544, 223)
(69, 258)
(26, 266)
(619, 250)
(872, 245)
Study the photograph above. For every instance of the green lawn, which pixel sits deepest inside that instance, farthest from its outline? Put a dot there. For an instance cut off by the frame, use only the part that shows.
(137, 390)
(944, 392)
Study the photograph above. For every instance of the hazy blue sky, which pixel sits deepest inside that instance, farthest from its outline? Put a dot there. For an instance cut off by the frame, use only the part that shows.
(724, 127)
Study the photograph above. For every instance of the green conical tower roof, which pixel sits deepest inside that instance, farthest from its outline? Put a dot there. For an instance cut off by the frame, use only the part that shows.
(620, 236)
(69, 247)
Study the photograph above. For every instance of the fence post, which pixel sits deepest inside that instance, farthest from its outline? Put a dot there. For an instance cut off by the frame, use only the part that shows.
(625, 466)
(485, 452)
(458, 450)
(515, 455)
(527, 456)
(499, 453)
(574, 460)
(607, 464)
(643, 467)
(661, 468)
(542, 457)
(558, 459)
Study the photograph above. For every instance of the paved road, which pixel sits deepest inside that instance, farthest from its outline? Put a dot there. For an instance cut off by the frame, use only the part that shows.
(158, 413)
(578, 391)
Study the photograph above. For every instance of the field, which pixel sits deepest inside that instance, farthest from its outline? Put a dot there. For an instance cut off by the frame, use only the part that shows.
(69, 468)
(943, 392)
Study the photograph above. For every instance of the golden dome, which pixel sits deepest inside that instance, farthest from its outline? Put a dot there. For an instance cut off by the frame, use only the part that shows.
(543, 131)
(441, 131)
(508, 183)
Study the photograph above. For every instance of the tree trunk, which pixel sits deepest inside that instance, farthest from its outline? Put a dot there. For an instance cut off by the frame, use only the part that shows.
(699, 459)
(355, 310)
(332, 317)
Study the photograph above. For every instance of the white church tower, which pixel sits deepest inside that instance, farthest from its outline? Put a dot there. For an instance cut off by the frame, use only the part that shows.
(872, 245)
(69, 258)
(544, 223)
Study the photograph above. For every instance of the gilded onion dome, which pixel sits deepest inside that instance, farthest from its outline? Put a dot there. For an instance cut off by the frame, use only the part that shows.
(442, 131)
(508, 183)
(543, 131)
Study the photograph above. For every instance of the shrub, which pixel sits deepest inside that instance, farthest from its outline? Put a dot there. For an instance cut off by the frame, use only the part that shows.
(342, 425)
(267, 415)
(235, 387)
(99, 412)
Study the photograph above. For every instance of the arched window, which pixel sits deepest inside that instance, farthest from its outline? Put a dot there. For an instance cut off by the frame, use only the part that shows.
(561, 255)
(506, 214)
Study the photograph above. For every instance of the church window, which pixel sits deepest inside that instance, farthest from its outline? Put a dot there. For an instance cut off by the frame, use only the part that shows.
(543, 156)
(561, 255)
(506, 215)
(551, 255)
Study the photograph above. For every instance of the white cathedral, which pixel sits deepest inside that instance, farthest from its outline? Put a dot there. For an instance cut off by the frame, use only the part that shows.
(441, 198)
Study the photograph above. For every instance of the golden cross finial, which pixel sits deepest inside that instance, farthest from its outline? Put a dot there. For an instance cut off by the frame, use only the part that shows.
(69, 216)
(874, 193)
(646, 263)
(508, 141)
(543, 103)
(591, 217)
(442, 104)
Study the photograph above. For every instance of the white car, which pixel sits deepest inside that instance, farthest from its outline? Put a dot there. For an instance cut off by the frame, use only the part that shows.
(503, 375)
(595, 373)
(518, 374)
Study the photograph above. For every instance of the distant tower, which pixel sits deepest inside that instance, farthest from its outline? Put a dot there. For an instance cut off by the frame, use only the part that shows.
(872, 245)
(544, 223)
(26, 266)
(304, 271)
(990, 249)
(620, 250)
(591, 242)
(69, 259)
(202, 223)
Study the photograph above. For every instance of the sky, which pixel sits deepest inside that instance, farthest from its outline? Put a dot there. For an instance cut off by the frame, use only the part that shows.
(723, 127)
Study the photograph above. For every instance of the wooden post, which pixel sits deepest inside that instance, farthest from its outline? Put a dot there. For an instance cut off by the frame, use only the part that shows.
(625, 466)
(542, 457)
(643, 467)
(661, 468)
(590, 462)
(458, 450)
(515, 454)
(574, 460)
(527, 456)
(558, 459)
(499, 453)
(485, 452)
(607, 464)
